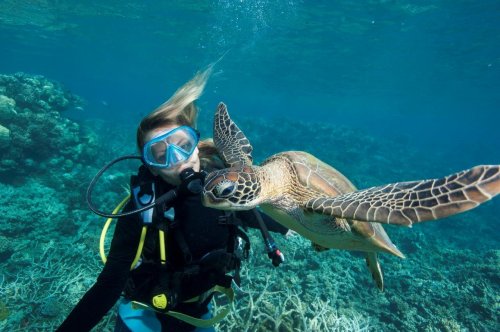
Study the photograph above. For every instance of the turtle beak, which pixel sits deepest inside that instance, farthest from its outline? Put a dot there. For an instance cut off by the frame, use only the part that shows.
(209, 200)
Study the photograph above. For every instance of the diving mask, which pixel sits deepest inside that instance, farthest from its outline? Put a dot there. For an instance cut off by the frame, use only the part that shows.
(171, 148)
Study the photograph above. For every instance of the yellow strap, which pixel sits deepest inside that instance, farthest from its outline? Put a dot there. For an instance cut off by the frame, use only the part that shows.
(198, 322)
(163, 253)
(105, 230)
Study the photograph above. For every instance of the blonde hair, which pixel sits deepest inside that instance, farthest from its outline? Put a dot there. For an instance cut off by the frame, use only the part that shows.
(180, 109)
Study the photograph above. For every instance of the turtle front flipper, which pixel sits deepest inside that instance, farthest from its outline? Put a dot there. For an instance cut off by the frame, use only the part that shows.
(406, 203)
(231, 143)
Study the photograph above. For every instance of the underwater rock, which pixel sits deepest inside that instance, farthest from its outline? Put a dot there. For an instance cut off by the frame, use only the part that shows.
(4, 136)
(7, 108)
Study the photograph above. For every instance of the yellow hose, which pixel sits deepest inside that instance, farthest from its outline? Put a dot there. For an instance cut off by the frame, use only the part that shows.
(105, 231)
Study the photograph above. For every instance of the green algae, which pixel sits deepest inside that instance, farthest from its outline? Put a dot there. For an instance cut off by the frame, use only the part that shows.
(4, 311)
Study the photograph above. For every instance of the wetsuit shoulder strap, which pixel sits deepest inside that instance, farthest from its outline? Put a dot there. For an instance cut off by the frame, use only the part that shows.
(142, 187)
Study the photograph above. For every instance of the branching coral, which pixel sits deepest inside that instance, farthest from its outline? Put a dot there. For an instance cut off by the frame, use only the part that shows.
(273, 305)
(49, 284)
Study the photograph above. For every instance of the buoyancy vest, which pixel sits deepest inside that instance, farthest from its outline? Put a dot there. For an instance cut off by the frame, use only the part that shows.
(169, 270)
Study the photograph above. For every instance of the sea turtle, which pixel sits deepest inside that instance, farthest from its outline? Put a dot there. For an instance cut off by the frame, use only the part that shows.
(315, 200)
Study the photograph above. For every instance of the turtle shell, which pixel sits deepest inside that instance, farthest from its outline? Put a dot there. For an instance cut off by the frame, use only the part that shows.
(318, 176)
(319, 179)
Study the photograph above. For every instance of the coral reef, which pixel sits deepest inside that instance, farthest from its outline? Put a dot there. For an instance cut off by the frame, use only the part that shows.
(449, 281)
(4, 311)
(7, 108)
(50, 280)
(34, 136)
(4, 136)
(36, 93)
(287, 299)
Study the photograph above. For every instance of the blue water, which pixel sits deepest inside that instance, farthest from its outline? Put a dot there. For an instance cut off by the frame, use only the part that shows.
(420, 78)
(424, 69)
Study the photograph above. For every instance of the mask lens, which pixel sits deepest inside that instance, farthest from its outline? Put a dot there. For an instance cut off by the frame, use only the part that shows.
(183, 139)
(158, 152)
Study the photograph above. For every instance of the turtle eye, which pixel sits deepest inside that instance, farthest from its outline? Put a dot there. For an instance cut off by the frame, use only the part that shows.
(224, 189)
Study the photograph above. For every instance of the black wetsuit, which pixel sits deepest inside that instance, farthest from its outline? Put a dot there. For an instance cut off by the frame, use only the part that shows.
(202, 233)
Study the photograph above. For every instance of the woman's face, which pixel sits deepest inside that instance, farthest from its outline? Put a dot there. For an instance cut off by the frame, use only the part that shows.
(171, 174)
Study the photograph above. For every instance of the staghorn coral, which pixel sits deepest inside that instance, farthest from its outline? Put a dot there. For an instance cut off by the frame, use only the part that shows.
(285, 299)
(47, 286)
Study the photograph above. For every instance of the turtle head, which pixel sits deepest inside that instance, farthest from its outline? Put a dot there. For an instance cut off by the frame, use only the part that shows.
(234, 189)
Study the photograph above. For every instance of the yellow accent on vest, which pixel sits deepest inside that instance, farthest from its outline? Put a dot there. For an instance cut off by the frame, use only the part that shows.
(163, 251)
(160, 301)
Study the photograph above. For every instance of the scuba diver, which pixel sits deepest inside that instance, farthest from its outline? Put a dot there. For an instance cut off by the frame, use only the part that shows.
(170, 254)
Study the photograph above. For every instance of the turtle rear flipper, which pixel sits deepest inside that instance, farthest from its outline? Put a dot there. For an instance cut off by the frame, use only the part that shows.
(375, 269)
(406, 203)
(318, 247)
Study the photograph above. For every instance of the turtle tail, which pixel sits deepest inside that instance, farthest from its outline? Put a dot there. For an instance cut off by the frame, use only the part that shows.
(375, 269)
